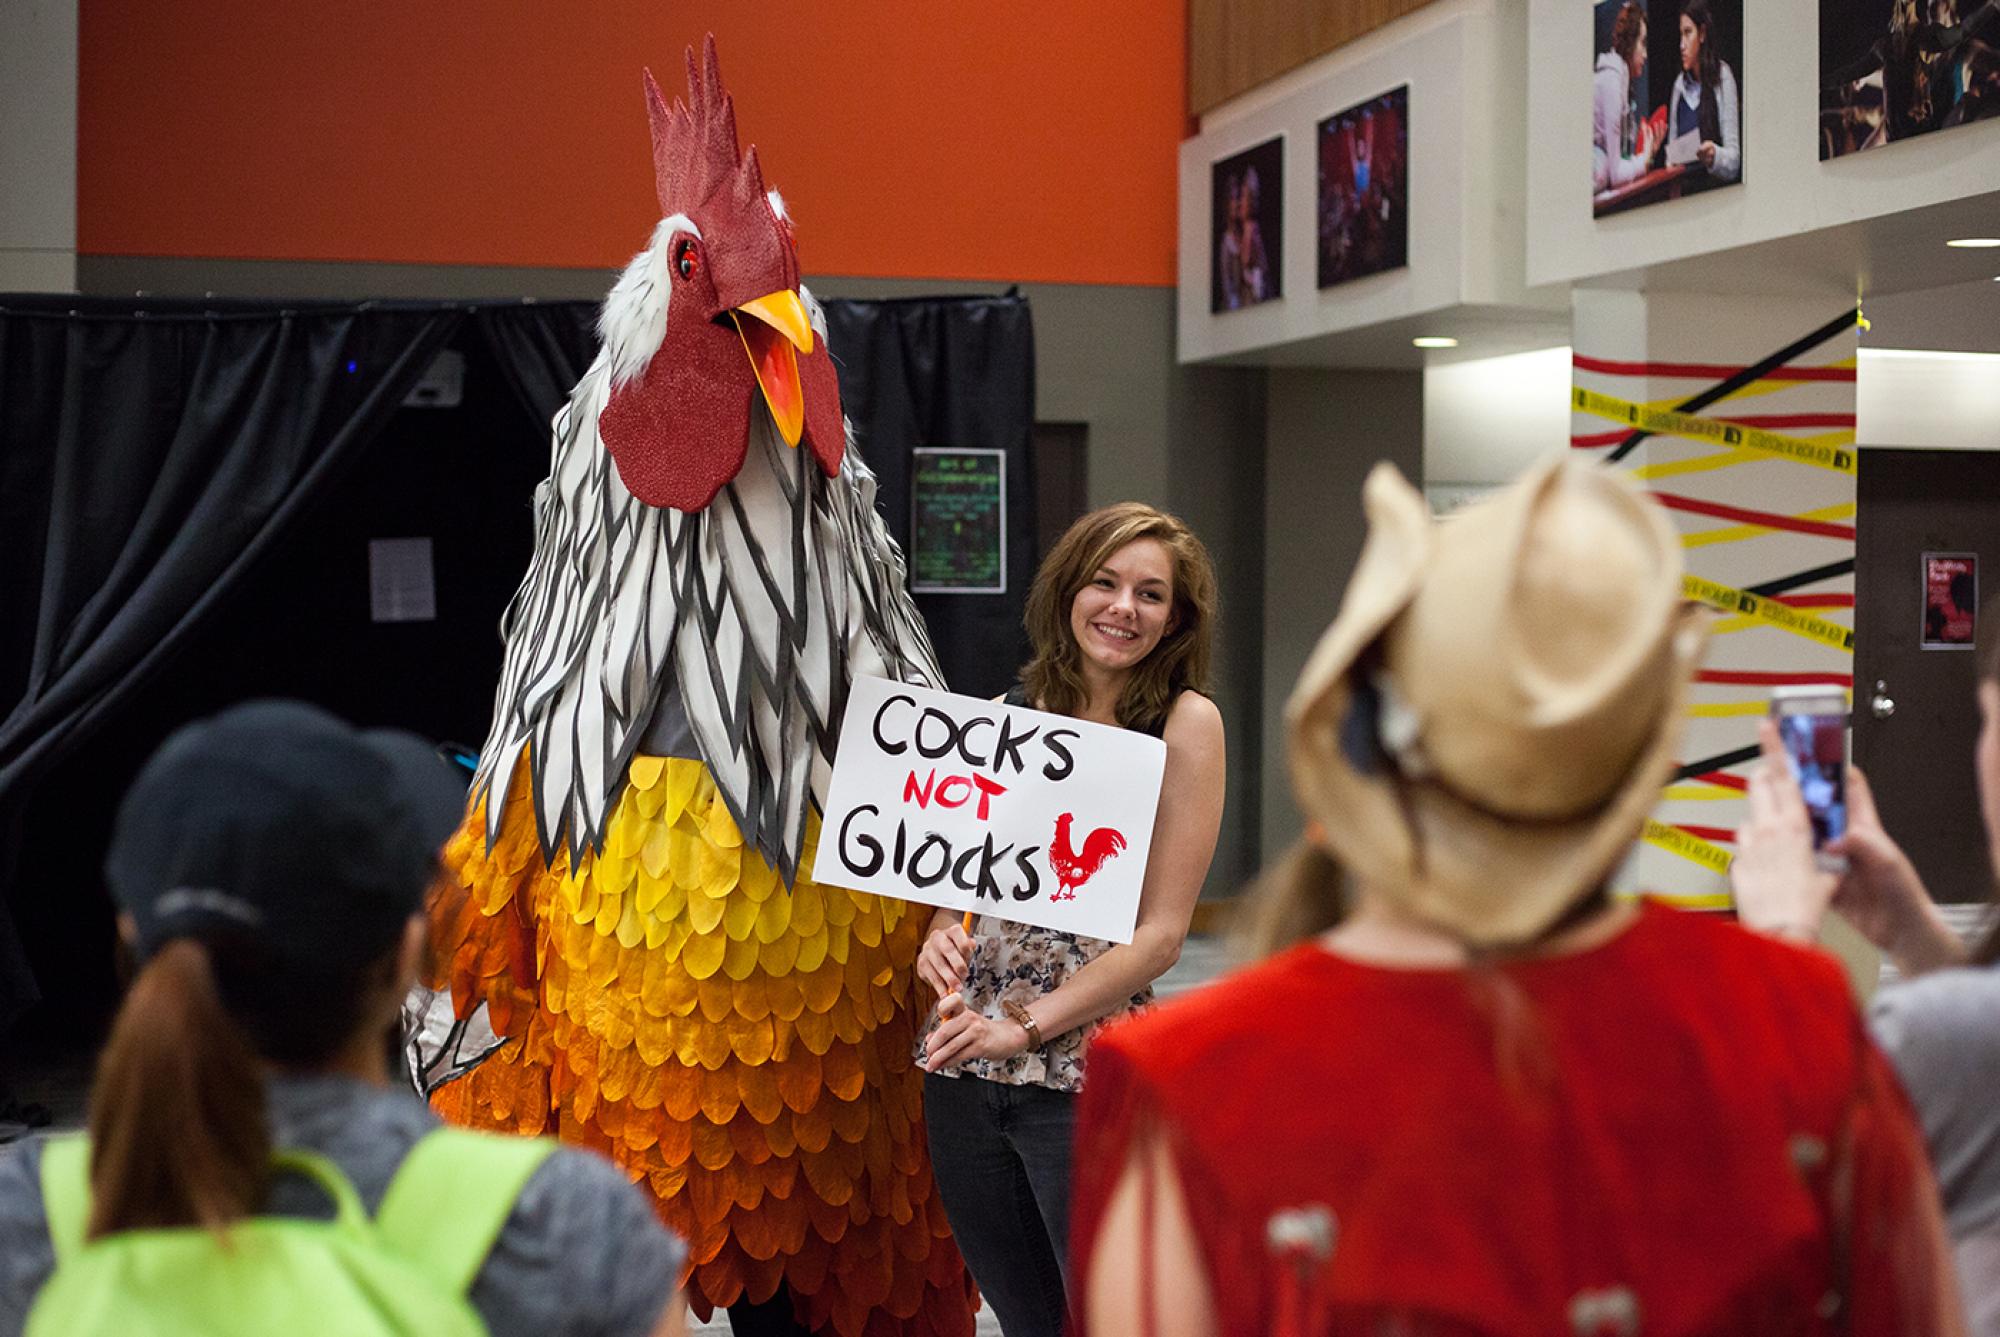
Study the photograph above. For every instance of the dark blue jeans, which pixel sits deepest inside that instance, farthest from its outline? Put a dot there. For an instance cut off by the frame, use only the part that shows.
(1001, 1157)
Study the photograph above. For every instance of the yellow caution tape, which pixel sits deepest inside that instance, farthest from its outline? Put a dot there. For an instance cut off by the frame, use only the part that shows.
(1712, 900)
(1732, 600)
(1699, 793)
(1667, 422)
(1676, 841)
(1722, 710)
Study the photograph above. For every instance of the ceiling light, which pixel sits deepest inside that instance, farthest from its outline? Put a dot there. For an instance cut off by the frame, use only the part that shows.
(1441, 341)
(1974, 243)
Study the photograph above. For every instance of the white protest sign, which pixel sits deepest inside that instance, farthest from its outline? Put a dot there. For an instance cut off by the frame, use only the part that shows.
(976, 805)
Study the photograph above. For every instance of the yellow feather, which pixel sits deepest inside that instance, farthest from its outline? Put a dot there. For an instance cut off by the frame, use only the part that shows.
(705, 911)
(631, 930)
(740, 916)
(778, 958)
(774, 916)
(652, 889)
(758, 879)
(812, 951)
(653, 854)
(703, 953)
(740, 958)
(645, 771)
(682, 777)
(721, 826)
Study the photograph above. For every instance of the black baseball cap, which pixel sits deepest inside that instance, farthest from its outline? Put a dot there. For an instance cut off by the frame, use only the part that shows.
(278, 824)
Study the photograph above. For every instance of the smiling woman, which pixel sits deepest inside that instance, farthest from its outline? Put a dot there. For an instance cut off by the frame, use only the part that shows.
(1120, 616)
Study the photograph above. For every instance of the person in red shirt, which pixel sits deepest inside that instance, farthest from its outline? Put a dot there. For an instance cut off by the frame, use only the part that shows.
(1481, 1096)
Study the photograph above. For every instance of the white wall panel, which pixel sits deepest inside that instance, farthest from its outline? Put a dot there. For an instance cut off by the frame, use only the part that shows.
(1929, 400)
(1786, 190)
(1486, 420)
(1462, 61)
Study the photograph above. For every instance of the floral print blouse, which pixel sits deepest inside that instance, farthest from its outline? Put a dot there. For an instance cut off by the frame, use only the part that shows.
(1023, 962)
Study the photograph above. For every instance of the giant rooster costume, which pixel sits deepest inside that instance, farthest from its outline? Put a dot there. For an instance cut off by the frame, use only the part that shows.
(631, 896)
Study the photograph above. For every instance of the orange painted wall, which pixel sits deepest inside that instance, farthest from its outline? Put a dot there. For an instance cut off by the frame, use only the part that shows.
(950, 140)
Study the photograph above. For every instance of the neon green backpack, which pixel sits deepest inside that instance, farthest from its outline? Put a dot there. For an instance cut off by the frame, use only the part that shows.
(403, 1273)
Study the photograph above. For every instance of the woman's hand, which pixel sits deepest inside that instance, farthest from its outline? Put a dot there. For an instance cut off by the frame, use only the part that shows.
(946, 955)
(1706, 153)
(1882, 894)
(1779, 889)
(1649, 143)
(963, 1034)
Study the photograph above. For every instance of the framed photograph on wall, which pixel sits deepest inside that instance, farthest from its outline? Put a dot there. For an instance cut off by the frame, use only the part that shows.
(1951, 600)
(1666, 90)
(1364, 189)
(1896, 69)
(1246, 234)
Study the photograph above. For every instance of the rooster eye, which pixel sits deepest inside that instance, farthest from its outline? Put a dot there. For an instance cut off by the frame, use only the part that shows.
(685, 261)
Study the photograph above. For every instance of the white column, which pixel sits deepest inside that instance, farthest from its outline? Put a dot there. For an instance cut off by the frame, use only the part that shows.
(1661, 349)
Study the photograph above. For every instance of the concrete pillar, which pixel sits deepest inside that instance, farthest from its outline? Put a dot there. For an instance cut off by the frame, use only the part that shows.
(38, 145)
(1324, 431)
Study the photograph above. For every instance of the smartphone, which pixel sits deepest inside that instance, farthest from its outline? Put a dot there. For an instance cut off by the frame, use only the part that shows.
(1812, 724)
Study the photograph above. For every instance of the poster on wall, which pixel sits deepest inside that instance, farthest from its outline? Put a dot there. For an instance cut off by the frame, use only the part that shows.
(1364, 186)
(958, 521)
(1951, 600)
(1895, 69)
(1666, 101)
(1246, 212)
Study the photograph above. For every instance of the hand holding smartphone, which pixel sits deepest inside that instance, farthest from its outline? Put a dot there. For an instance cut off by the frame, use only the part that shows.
(1812, 724)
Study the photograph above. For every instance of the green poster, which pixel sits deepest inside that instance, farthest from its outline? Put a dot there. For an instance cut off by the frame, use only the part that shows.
(958, 514)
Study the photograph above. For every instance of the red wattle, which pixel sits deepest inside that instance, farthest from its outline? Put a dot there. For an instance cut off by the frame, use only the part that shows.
(826, 430)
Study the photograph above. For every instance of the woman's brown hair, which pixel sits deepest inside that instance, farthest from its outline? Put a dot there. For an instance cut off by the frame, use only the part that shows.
(177, 1129)
(1301, 896)
(1625, 28)
(178, 1134)
(1053, 679)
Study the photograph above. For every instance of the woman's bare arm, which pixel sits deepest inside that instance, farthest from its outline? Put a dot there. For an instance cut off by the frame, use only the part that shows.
(1184, 833)
(1131, 1255)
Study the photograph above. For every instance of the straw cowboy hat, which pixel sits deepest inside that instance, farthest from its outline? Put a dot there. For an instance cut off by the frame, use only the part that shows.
(1487, 722)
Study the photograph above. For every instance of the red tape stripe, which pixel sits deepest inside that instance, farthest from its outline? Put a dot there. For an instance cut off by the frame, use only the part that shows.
(1768, 519)
(1704, 371)
(1724, 779)
(1813, 600)
(1721, 835)
(1755, 678)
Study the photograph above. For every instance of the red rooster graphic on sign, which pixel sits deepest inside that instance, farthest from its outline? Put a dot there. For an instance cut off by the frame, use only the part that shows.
(1072, 870)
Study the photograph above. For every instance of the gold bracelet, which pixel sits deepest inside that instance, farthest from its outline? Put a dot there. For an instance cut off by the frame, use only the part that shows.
(1019, 1014)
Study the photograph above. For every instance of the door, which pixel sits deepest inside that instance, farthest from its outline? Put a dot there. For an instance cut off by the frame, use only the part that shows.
(1914, 734)
(1062, 480)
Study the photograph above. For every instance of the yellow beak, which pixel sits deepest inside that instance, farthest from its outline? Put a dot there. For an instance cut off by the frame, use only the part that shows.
(776, 334)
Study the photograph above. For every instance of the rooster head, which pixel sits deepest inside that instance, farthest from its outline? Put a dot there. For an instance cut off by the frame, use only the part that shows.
(723, 271)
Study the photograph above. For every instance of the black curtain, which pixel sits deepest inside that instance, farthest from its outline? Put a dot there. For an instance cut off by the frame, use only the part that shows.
(949, 372)
(544, 349)
(187, 490)
(147, 461)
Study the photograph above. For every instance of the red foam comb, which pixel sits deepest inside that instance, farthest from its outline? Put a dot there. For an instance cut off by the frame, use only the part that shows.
(694, 142)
